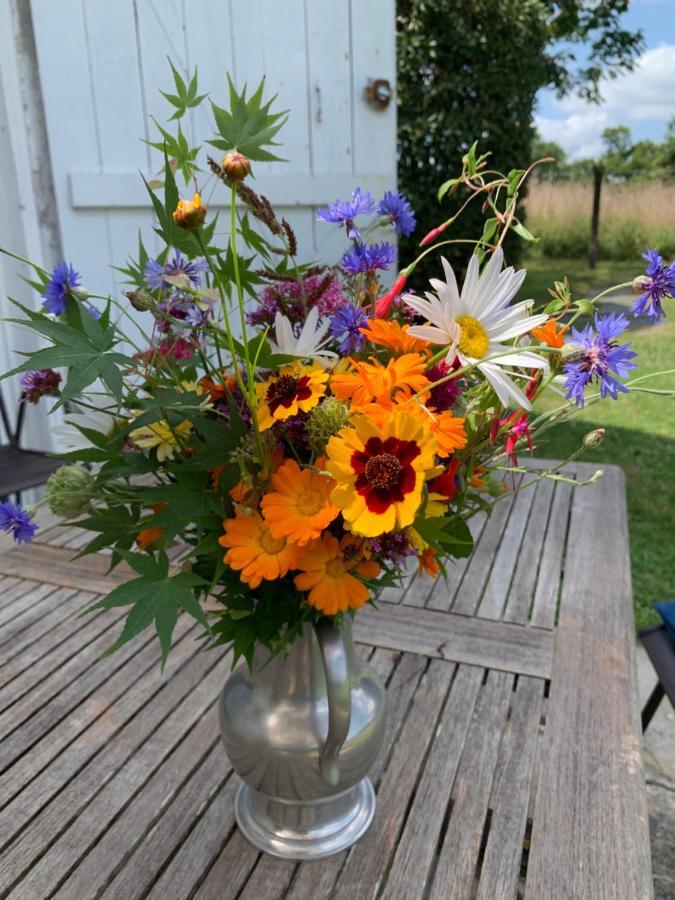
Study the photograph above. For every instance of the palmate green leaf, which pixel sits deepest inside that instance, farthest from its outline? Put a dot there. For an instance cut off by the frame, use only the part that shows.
(247, 276)
(178, 148)
(248, 126)
(135, 268)
(155, 598)
(449, 536)
(186, 96)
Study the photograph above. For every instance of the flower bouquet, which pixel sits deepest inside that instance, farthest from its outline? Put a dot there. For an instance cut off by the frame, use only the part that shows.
(283, 439)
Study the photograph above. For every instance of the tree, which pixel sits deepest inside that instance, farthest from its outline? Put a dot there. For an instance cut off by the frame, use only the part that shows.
(542, 149)
(470, 70)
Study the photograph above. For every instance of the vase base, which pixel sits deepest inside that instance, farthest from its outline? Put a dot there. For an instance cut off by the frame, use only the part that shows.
(309, 830)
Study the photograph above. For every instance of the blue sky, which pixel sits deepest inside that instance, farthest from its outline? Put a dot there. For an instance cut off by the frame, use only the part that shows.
(644, 99)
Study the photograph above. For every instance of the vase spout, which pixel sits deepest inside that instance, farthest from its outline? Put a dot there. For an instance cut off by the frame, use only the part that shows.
(338, 689)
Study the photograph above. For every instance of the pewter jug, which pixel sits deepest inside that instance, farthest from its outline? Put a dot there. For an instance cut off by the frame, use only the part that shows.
(302, 730)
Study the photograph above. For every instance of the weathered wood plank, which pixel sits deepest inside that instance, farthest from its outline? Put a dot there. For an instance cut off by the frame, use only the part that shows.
(88, 696)
(590, 832)
(416, 848)
(525, 576)
(550, 569)
(510, 798)
(497, 588)
(231, 870)
(481, 642)
(480, 564)
(368, 860)
(55, 565)
(94, 757)
(28, 608)
(456, 868)
(269, 879)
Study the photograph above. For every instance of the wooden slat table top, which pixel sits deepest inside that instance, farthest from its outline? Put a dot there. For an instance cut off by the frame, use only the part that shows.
(511, 765)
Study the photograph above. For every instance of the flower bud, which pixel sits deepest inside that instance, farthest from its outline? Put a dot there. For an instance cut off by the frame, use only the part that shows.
(140, 300)
(383, 305)
(236, 166)
(69, 491)
(641, 284)
(325, 421)
(433, 234)
(190, 214)
(594, 438)
(42, 383)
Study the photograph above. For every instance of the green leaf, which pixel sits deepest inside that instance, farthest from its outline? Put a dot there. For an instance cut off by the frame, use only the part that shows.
(522, 232)
(186, 96)
(489, 229)
(514, 177)
(157, 600)
(445, 187)
(248, 126)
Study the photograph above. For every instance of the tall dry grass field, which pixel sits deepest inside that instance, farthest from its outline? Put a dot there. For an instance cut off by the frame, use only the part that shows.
(632, 216)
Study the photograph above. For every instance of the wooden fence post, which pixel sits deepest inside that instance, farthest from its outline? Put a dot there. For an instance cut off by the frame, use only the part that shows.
(598, 175)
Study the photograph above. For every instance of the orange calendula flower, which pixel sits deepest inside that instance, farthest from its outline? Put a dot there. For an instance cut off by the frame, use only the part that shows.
(390, 334)
(368, 382)
(254, 551)
(447, 429)
(149, 536)
(550, 334)
(298, 506)
(190, 213)
(380, 471)
(476, 481)
(295, 389)
(327, 575)
(218, 390)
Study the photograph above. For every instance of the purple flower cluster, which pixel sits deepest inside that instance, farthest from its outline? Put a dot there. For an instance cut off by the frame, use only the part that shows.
(344, 212)
(398, 210)
(63, 281)
(391, 546)
(600, 358)
(42, 383)
(156, 272)
(366, 258)
(287, 297)
(658, 283)
(344, 327)
(17, 522)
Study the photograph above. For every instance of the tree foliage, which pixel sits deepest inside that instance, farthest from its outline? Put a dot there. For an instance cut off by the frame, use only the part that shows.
(470, 70)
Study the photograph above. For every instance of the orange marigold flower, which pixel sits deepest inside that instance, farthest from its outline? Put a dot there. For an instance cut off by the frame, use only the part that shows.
(380, 470)
(402, 377)
(254, 551)
(390, 334)
(298, 507)
(218, 390)
(428, 562)
(550, 334)
(296, 388)
(327, 575)
(476, 481)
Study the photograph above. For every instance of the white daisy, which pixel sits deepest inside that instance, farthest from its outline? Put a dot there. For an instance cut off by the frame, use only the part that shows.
(476, 323)
(102, 419)
(308, 344)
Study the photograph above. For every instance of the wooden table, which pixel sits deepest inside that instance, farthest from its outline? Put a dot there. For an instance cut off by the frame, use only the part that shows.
(511, 765)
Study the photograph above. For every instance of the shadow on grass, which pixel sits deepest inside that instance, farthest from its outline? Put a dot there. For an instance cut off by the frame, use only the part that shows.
(648, 463)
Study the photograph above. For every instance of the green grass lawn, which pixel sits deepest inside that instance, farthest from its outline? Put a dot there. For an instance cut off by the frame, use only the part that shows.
(640, 434)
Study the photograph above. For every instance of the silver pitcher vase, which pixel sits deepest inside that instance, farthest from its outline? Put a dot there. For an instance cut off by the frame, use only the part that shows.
(302, 730)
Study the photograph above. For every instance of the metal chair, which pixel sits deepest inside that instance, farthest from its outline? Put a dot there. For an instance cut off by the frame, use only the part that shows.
(20, 469)
(661, 652)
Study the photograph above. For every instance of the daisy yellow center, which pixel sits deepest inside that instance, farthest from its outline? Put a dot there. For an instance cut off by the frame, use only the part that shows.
(473, 340)
(309, 503)
(271, 544)
(383, 471)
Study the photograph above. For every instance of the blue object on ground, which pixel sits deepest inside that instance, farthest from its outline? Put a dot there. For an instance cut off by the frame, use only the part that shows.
(667, 613)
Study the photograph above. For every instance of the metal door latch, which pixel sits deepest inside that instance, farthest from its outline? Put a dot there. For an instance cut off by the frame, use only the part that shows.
(378, 92)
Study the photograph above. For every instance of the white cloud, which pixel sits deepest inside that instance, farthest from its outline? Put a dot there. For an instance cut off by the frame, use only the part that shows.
(646, 94)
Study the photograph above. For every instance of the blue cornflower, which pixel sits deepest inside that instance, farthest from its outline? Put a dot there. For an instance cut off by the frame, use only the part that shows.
(399, 212)
(17, 522)
(155, 272)
(344, 326)
(599, 359)
(344, 213)
(658, 282)
(64, 279)
(368, 257)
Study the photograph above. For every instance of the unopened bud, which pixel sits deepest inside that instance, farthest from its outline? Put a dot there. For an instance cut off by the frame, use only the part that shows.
(236, 166)
(641, 284)
(594, 438)
(190, 214)
(585, 307)
(140, 300)
(69, 491)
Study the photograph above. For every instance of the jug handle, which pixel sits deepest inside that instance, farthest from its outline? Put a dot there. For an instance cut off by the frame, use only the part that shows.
(336, 666)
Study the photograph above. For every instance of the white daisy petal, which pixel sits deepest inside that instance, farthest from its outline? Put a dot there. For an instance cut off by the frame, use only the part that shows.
(429, 333)
(503, 386)
(525, 359)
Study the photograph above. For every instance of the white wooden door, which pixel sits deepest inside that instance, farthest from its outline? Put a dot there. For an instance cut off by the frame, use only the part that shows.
(101, 66)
